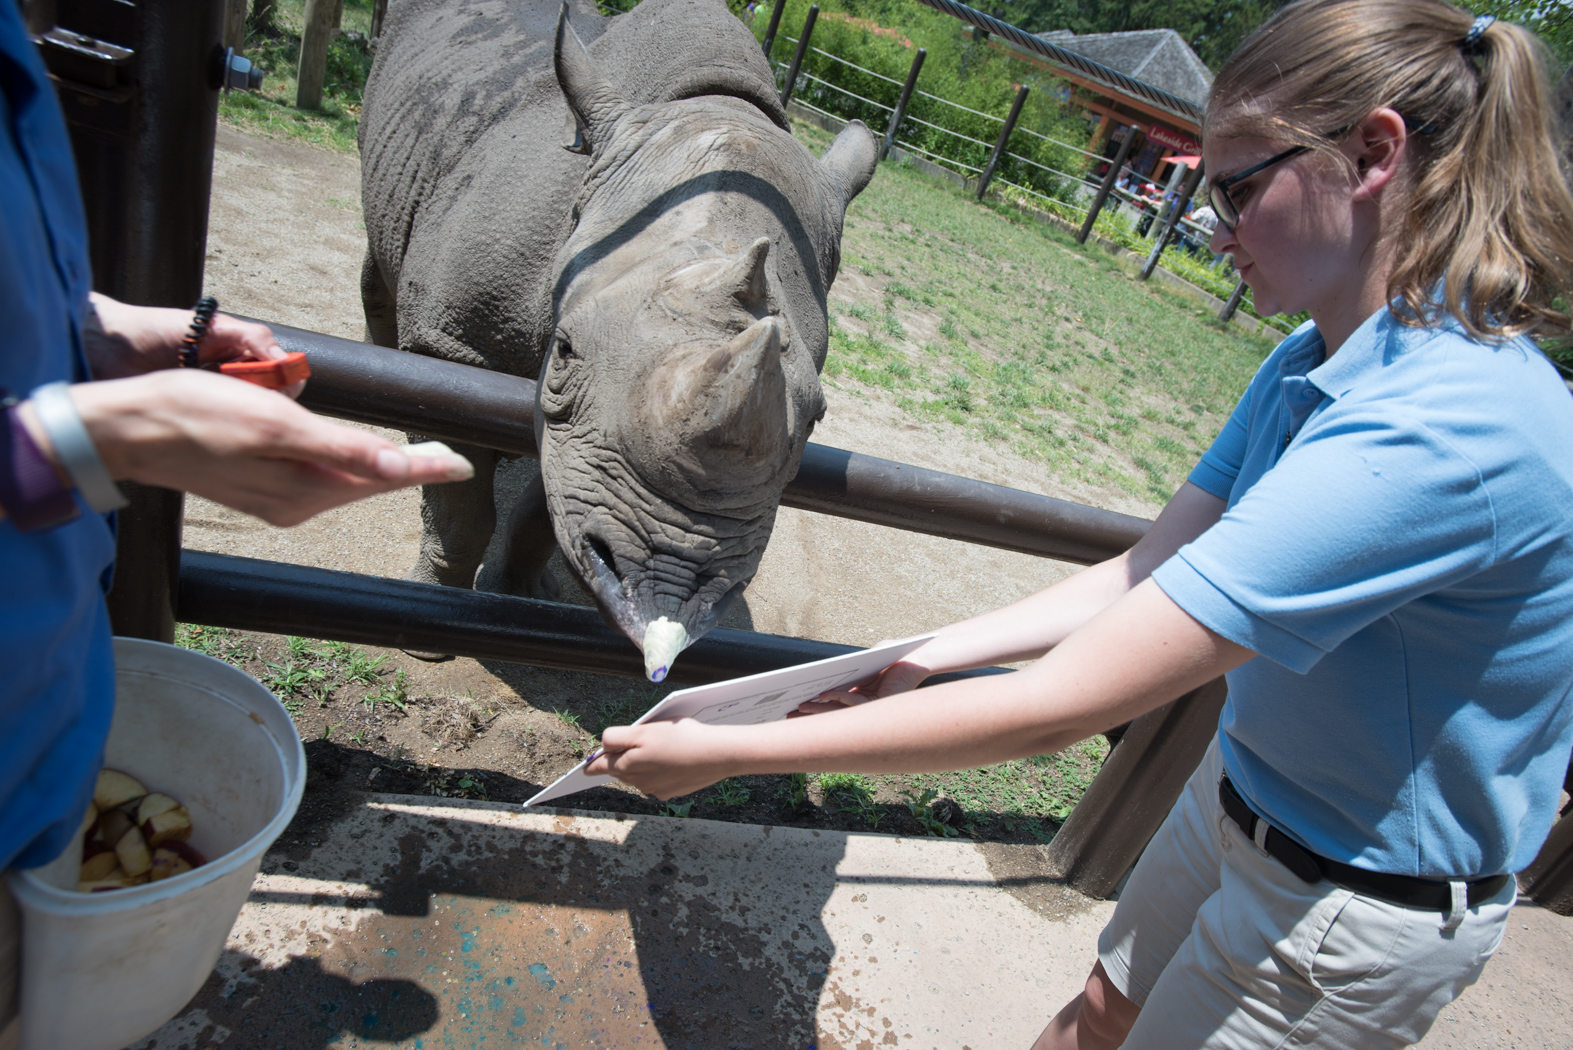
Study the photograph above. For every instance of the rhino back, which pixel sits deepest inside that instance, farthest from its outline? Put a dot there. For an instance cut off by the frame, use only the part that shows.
(468, 193)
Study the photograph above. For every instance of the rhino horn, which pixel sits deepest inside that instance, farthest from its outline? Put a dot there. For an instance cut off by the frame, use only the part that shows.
(745, 402)
(595, 103)
(744, 279)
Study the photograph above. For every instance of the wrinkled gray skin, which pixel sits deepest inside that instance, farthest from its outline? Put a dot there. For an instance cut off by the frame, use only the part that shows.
(665, 279)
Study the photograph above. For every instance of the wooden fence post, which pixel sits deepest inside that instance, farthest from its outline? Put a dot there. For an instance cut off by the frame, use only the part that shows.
(314, 53)
(1004, 140)
(1108, 184)
(797, 57)
(1176, 213)
(1134, 791)
(234, 25)
(1233, 304)
(379, 12)
(770, 30)
(1549, 878)
(901, 103)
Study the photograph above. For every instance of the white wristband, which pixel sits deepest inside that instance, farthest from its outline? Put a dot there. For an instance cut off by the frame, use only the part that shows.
(74, 448)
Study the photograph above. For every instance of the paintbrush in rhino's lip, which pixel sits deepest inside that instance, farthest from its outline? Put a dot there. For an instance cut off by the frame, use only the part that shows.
(663, 640)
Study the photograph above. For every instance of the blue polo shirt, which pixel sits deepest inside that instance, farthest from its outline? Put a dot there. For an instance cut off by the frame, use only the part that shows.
(1397, 549)
(57, 681)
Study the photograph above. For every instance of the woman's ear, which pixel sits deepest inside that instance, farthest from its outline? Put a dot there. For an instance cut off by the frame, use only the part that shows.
(1376, 149)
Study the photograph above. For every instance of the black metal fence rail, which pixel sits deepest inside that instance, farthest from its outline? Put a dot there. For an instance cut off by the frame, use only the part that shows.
(455, 402)
(249, 594)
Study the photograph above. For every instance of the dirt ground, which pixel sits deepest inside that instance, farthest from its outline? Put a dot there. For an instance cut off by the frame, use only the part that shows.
(285, 244)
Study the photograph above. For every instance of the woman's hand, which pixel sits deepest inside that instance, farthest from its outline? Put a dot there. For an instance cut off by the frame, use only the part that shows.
(243, 446)
(664, 759)
(136, 340)
(902, 676)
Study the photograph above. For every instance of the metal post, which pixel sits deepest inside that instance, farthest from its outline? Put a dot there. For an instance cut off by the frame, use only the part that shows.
(770, 30)
(143, 139)
(797, 57)
(1234, 300)
(1004, 140)
(1134, 791)
(314, 53)
(1549, 878)
(1108, 184)
(901, 103)
(1175, 213)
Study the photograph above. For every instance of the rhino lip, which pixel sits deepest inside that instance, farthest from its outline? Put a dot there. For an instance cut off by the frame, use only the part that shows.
(607, 589)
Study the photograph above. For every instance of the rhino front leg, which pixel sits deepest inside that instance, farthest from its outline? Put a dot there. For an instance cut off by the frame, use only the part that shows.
(457, 520)
(378, 303)
(528, 544)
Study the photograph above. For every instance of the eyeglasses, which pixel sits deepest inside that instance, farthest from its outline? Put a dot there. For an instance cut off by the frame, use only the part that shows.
(1218, 193)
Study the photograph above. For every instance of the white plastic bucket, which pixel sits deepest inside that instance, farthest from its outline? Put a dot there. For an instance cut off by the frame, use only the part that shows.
(101, 970)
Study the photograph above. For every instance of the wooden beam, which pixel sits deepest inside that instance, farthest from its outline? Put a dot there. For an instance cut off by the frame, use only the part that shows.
(314, 53)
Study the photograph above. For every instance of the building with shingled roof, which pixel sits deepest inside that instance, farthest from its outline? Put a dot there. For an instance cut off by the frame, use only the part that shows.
(1157, 57)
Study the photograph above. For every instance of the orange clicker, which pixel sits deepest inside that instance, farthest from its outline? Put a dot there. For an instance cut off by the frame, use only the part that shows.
(275, 375)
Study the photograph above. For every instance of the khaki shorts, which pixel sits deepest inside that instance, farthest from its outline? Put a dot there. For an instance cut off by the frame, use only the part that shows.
(1223, 946)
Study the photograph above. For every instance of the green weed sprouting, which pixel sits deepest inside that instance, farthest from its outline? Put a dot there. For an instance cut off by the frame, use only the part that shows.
(731, 793)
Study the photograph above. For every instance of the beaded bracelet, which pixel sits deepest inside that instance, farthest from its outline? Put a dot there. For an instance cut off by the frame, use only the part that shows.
(202, 317)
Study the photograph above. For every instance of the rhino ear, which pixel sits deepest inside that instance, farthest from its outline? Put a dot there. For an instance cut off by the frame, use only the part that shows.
(744, 279)
(850, 160)
(595, 104)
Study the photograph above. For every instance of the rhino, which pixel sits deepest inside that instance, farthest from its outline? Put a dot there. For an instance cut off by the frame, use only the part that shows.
(616, 207)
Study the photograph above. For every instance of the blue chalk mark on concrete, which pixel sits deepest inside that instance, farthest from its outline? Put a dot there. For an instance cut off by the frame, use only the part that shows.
(542, 974)
(508, 981)
(518, 1015)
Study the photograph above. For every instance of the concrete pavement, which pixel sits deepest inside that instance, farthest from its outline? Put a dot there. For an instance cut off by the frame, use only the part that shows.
(468, 924)
(465, 924)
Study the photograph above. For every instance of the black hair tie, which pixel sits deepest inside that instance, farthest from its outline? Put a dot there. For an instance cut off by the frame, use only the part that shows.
(204, 310)
(1477, 31)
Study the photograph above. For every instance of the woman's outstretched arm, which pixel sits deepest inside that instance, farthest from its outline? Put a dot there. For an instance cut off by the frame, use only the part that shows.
(1140, 652)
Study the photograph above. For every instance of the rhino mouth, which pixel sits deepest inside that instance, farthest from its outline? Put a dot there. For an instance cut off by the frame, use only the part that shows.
(643, 604)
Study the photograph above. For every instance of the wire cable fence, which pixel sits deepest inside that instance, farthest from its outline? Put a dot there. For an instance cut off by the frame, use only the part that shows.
(946, 132)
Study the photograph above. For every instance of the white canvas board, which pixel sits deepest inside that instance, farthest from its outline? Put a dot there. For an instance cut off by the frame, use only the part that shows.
(764, 697)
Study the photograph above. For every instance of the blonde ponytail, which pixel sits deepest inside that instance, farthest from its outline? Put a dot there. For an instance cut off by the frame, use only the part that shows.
(1490, 220)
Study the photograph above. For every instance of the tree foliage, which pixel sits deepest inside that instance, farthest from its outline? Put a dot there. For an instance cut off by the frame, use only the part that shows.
(1214, 28)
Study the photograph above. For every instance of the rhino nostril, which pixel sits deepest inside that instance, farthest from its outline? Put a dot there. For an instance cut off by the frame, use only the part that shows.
(603, 552)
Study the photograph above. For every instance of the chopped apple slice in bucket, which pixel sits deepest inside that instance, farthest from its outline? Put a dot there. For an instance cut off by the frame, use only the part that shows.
(116, 789)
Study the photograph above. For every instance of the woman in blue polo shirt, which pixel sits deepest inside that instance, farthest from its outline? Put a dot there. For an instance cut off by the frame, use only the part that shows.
(1376, 550)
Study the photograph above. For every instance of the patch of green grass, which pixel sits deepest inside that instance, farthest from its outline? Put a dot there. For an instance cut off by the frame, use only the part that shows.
(1051, 348)
(851, 793)
(388, 691)
(920, 806)
(1032, 794)
(624, 709)
(271, 111)
(731, 793)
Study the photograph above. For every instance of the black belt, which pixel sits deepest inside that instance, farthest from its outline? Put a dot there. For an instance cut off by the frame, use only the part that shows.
(1403, 890)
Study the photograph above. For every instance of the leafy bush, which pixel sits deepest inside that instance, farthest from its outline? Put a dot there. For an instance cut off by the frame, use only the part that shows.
(980, 79)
